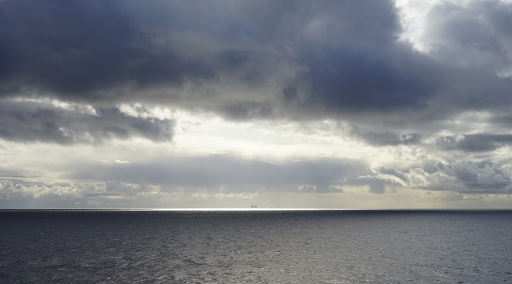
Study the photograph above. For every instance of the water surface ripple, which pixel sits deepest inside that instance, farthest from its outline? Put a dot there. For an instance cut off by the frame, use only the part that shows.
(391, 246)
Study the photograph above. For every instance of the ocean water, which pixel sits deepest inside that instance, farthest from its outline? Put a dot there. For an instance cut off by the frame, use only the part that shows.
(54, 246)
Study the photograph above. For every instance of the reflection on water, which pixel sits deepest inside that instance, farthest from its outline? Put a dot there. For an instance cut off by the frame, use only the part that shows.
(255, 246)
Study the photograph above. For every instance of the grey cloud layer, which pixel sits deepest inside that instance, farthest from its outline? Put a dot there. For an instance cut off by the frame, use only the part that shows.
(228, 175)
(179, 177)
(44, 122)
(235, 174)
(258, 59)
(320, 175)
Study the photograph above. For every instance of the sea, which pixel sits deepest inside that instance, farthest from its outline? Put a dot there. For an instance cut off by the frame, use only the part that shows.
(255, 246)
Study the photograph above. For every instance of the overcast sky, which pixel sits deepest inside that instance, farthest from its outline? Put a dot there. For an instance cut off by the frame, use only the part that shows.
(283, 104)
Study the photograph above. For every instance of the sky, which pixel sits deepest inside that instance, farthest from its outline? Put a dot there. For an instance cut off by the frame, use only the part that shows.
(281, 104)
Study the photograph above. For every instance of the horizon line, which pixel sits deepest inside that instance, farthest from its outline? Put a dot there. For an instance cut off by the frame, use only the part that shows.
(261, 209)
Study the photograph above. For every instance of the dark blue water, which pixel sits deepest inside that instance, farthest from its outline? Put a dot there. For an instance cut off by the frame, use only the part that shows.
(45, 246)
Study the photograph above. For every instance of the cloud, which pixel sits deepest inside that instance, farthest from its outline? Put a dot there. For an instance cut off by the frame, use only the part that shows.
(10, 190)
(377, 187)
(319, 189)
(470, 34)
(231, 173)
(68, 124)
(474, 142)
(118, 51)
(463, 176)
(292, 59)
(385, 138)
(417, 101)
(22, 194)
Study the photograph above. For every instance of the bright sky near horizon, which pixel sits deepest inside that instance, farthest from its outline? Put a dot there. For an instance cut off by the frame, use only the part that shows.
(225, 104)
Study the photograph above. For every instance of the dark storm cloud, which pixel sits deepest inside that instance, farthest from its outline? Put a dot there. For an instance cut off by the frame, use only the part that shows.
(474, 142)
(234, 173)
(248, 59)
(364, 76)
(28, 122)
(78, 50)
(352, 54)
